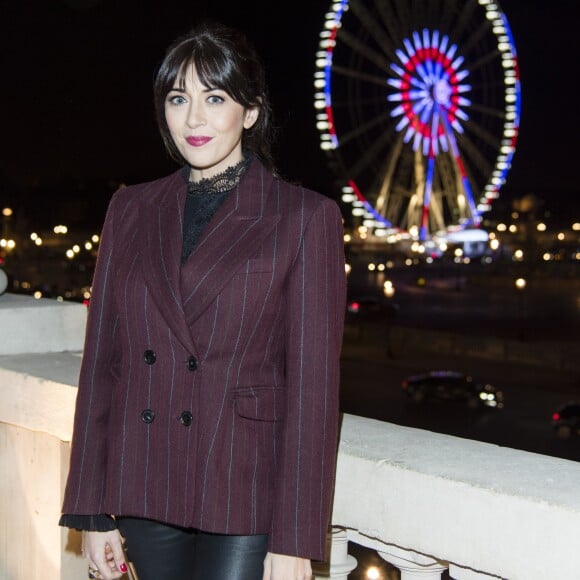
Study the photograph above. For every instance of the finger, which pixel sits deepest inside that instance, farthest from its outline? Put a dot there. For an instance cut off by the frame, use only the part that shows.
(104, 571)
(118, 555)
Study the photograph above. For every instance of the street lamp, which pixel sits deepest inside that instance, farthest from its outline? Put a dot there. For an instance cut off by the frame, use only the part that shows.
(520, 285)
(6, 215)
(388, 289)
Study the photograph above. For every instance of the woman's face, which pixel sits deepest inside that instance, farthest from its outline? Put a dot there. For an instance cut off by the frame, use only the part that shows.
(206, 125)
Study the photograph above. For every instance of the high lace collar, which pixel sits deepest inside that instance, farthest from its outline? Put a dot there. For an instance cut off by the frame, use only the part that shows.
(220, 182)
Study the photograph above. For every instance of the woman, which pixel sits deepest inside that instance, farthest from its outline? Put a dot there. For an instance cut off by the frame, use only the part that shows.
(206, 421)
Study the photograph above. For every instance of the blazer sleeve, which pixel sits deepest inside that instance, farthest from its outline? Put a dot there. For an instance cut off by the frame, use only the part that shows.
(87, 472)
(315, 305)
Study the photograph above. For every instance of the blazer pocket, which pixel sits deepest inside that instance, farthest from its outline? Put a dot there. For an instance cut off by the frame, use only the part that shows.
(260, 404)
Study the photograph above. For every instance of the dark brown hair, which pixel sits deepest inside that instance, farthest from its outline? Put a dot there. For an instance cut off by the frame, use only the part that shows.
(225, 60)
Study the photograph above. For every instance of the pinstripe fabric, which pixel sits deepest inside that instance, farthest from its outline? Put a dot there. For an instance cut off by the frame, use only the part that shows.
(260, 304)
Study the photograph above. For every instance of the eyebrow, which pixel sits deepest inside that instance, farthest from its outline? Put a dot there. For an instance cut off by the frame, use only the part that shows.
(205, 90)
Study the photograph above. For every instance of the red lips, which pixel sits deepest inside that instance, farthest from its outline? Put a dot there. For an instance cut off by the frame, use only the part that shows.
(198, 141)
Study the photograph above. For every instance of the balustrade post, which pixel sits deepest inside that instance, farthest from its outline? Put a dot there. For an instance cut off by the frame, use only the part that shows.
(413, 565)
(341, 562)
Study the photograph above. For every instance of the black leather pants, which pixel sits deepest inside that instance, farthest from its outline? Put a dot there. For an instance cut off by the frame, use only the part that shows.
(162, 552)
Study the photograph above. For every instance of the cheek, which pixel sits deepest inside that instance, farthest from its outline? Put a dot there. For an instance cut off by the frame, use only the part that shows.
(234, 126)
(172, 121)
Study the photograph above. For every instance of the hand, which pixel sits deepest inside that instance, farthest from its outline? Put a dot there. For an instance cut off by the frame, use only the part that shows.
(281, 567)
(104, 551)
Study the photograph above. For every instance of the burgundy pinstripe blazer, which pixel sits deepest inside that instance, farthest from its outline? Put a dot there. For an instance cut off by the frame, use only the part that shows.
(208, 393)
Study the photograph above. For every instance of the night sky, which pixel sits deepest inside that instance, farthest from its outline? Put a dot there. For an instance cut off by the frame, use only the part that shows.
(77, 102)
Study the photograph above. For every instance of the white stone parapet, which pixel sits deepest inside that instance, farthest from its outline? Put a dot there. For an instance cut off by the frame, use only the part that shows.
(477, 506)
(425, 501)
(30, 325)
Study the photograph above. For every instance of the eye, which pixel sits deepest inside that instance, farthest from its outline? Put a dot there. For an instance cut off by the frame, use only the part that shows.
(215, 99)
(176, 99)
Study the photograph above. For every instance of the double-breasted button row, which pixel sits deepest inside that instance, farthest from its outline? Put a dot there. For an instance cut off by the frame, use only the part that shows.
(186, 418)
(192, 363)
(150, 357)
(148, 416)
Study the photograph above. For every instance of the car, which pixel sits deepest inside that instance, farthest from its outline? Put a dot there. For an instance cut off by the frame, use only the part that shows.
(452, 385)
(566, 420)
(370, 307)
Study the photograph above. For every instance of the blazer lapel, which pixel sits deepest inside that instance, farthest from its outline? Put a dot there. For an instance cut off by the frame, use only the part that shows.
(161, 235)
(235, 232)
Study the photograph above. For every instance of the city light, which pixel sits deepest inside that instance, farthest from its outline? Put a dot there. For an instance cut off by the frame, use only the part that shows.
(7, 212)
(8, 244)
(520, 283)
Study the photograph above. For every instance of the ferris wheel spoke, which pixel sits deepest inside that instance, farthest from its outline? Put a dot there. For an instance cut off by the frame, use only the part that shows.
(377, 33)
(485, 59)
(363, 49)
(476, 39)
(493, 140)
(462, 21)
(369, 155)
(360, 76)
(375, 122)
(436, 213)
(488, 111)
(387, 175)
(391, 24)
(479, 160)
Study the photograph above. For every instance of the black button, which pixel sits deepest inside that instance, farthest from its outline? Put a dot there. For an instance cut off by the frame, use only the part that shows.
(150, 357)
(186, 418)
(192, 363)
(147, 416)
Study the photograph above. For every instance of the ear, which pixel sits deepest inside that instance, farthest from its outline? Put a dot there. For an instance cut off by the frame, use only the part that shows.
(250, 117)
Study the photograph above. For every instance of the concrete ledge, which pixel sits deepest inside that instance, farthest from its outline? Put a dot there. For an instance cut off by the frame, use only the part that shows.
(483, 507)
(38, 392)
(30, 325)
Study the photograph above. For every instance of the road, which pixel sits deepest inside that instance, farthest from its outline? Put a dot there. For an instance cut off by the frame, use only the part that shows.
(371, 387)
(476, 301)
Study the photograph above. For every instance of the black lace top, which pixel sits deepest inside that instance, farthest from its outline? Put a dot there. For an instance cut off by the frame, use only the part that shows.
(203, 199)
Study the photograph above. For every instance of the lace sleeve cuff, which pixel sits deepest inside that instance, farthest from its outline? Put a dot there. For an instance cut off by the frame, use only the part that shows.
(90, 523)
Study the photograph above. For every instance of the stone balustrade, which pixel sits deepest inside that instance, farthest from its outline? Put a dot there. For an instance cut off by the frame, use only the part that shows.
(425, 502)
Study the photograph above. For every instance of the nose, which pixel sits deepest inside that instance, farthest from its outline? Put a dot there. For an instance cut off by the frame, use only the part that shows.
(195, 114)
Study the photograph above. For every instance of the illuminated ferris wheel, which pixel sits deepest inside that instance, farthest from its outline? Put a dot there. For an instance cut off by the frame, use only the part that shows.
(418, 108)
